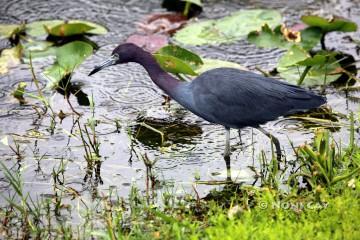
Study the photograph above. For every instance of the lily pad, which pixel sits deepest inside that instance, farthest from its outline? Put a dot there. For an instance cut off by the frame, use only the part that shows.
(68, 57)
(330, 25)
(9, 58)
(268, 38)
(7, 30)
(187, 56)
(38, 28)
(321, 67)
(69, 29)
(294, 55)
(216, 63)
(175, 59)
(310, 37)
(38, 49)
(227, 29)
(97, 29)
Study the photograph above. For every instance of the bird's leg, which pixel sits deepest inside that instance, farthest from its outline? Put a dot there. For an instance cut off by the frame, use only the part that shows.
(227, 154)
(239, 131)
(274, 140)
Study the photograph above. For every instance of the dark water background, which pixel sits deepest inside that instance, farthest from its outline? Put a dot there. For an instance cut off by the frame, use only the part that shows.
(194, 147)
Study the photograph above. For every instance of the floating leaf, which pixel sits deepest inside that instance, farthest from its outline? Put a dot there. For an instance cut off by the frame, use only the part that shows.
(216, 63)
(310, 37)
(227, 29)
(162, 23)
(174, 65)
(68, 57)
(268, 38)
(38, 28)
(38, 49)
(9, 58)
(73, 54)
(175, 59)
(7, 30)
(330, 25)
(185, 55)
(96, 28)
(294, 55)
(323, 67)
(69, 29)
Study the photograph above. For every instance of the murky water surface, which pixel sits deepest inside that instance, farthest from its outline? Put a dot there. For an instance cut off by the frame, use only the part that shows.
(193, 147)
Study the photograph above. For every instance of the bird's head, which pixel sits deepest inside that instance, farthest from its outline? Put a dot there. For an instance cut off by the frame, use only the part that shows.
(123, 53)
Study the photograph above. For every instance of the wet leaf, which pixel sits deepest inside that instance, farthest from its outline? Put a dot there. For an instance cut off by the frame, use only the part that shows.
(68, 57)
(216, 63)
(268, 38)
(38, 28)
(73, 54)
(150, 43)
(294, 55)
(174, 65)
(175, 59)
(7, 30)
(38, 49)
(9, 58)
(185, 55)
(227, 29)
(97, 29)
(69, 29)
(330, 25)
(310, 37)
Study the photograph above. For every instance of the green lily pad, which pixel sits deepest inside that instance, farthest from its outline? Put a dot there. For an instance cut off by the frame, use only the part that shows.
(294, 55)
(322, 66)
(185, 55)
(68, 57)
(175, 59)
(216, 63)
(38, 28)
(268, 38)
(97, 29)
(174, 65)
(317, 75)
(330, 25)
(69, 29)
(227, 29)
(38, 49)
(310, 37)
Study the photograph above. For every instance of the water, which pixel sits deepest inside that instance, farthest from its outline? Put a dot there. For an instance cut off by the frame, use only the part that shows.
(193, 146)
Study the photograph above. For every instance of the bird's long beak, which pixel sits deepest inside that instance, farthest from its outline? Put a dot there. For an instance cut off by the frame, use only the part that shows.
(109, 62)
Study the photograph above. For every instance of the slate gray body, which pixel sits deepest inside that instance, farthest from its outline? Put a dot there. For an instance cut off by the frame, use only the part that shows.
(236, 98)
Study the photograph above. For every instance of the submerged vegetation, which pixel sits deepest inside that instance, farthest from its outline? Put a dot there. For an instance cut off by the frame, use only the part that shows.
(313, 193)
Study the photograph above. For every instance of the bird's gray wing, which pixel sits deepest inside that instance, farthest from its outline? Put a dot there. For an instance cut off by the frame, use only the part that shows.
(237, 98)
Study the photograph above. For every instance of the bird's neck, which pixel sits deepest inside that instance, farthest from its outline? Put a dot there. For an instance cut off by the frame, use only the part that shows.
(161, 78)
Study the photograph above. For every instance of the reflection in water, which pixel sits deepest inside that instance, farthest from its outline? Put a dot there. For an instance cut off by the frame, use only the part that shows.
(148, 132)
(66, 88)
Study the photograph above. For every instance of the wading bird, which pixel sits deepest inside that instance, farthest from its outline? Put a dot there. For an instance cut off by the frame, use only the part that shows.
(226, 96)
